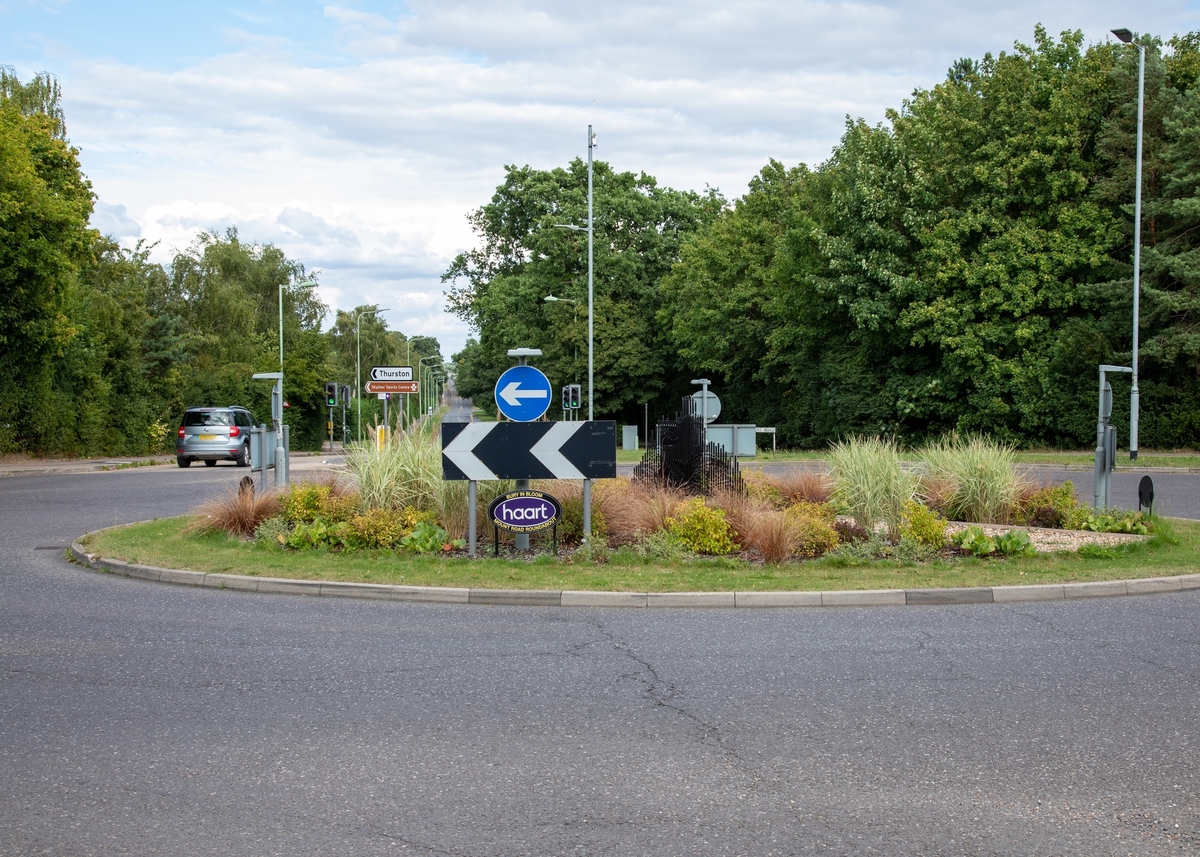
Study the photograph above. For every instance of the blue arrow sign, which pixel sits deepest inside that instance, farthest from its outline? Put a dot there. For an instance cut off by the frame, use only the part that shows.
(523, 394)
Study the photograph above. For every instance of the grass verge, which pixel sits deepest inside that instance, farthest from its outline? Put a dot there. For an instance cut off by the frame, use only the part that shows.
(165, 543)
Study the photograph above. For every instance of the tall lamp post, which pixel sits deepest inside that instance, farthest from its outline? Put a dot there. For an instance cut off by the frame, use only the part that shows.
(1126, 36)
(358, 360)
(429, 369)
(587, 483)
(591, 143)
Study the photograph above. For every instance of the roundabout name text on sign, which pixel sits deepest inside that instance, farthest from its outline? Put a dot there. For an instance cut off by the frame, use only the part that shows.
(525, 511)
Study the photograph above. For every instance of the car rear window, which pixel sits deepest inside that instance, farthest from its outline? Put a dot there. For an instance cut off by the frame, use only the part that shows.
(206, 418)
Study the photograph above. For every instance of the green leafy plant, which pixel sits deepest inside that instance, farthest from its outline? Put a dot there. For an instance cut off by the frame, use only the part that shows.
(1015, 543)
(983, 475)
(426, 537)
(702, 528)
(306, 536)
(272, 532)
(922, 525)
(870, 482)
(974, 541)
(661, 545)
(1134, 523)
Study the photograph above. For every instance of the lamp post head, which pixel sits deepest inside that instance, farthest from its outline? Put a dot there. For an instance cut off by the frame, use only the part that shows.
(1123, 34)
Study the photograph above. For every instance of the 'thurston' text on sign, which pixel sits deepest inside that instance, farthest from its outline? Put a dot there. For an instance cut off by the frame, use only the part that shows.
(561, 450)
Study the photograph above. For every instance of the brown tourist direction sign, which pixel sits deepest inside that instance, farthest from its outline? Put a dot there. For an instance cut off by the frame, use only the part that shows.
(392, 386)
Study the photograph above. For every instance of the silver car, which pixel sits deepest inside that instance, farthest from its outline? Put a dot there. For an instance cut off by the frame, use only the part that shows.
(214, 434)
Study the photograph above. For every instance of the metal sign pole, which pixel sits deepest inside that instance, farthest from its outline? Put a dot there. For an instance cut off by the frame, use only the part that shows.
(472, 499)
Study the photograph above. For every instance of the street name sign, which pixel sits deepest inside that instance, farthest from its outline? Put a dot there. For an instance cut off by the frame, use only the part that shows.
(391, 373)
(559, 450)
(523, 394)
(392, 387)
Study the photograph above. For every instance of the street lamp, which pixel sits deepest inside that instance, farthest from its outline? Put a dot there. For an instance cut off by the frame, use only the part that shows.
(587, 483)
(591, 144)
(358, 360)
(421, 365)
(1134, 395)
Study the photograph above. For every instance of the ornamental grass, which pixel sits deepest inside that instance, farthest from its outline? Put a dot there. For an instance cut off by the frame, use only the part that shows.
(870, 482)
(982, 473)
(238, 511)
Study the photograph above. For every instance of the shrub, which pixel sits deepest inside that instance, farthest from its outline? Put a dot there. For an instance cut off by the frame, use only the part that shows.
(380, 528)
(850, 532)
(1053, 506)
(273, 532)
(237, 512)
(302, 503)
(336, 508)
(702, 528)
(983, 473)
(870, 482)
(661, 545)
(922, 525)
(812, 528)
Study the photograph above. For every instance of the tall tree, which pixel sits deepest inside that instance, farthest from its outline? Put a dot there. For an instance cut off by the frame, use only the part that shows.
(501, 286)
(45, 204)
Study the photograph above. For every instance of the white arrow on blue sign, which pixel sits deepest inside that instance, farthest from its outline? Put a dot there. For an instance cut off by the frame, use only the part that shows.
(523, 394)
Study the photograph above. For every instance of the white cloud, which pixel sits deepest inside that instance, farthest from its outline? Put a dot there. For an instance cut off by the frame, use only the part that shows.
(365, 167)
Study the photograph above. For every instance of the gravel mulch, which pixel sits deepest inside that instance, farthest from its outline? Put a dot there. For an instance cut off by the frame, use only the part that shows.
(1047, 540)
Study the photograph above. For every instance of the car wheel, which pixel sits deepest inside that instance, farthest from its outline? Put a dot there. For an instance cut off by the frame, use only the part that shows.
(210, 462)
(243, 460)
(183, 462)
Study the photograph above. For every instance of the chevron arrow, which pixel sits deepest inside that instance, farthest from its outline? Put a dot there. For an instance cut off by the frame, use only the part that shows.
(460, 452)
(535, 450)
(548, 451)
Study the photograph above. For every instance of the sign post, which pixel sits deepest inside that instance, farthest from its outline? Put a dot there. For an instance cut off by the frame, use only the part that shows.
(523, 395)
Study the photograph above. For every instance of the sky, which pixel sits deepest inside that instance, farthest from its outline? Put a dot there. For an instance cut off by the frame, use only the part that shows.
(357, 137)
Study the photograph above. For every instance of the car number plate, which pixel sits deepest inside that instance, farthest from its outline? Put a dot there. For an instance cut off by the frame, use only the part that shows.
(207, 436)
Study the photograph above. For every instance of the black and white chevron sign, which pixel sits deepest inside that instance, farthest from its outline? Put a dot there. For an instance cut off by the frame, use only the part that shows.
(563, 450)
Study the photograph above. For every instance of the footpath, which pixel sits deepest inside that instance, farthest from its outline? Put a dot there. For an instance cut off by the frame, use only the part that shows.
(22, 466)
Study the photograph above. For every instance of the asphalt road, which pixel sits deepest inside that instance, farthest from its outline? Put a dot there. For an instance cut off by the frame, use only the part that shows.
(140, 718)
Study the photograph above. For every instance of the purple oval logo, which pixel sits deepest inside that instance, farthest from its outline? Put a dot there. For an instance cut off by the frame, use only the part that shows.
(524, 511)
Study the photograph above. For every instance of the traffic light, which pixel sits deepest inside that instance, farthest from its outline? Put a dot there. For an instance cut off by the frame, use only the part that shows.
(566, 394)
(331, 393)
(345, 394)
(576, 395)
